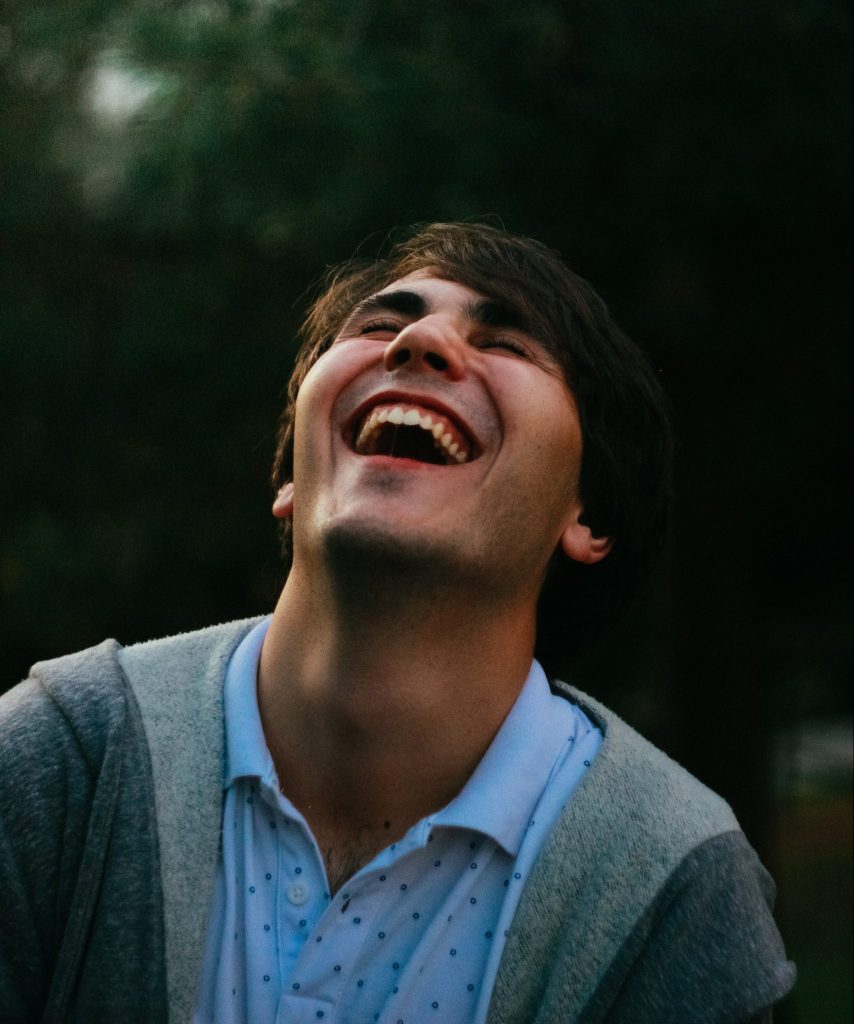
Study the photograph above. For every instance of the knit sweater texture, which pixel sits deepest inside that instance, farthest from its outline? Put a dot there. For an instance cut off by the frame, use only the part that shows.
(646, 903)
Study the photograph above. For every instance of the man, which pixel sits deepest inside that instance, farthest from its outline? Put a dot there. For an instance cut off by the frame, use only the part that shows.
(404, 820)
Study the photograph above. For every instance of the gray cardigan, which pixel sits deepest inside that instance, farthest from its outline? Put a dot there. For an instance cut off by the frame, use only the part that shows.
(646, 903)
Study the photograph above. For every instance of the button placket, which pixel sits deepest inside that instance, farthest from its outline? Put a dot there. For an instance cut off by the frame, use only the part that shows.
(335, 946)
(300, 901)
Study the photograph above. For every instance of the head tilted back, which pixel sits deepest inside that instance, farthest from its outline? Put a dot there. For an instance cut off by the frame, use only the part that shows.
(625, 481)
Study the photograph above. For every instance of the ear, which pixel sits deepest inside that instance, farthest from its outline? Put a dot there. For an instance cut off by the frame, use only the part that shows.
(283, 506)
(580, 545)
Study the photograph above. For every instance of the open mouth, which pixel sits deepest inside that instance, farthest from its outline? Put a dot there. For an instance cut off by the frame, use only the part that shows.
(403, 430)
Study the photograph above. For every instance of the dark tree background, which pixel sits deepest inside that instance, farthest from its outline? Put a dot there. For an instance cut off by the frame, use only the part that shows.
(175, 174)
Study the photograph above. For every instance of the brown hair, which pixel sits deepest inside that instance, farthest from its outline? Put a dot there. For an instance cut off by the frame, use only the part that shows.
(625, 480)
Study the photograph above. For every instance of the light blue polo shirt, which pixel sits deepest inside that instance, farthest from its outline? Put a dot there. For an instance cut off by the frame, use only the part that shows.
(415, 936)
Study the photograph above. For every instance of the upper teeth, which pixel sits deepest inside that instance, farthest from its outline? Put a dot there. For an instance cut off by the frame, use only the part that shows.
(445, 436)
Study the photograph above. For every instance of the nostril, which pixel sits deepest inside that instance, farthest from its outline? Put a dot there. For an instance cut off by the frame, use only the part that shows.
(401, 356)
(437, 362)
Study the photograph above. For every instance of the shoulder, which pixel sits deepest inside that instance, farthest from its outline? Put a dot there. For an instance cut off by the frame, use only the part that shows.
(200, 648)
(61, 733)
(67, 704)
(706, 948)
(177, 681)
(633, 828)
(633, 782)
(80, 699)
(703, 944)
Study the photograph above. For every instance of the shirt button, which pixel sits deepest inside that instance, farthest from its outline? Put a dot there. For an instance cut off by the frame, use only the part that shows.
(297, 893)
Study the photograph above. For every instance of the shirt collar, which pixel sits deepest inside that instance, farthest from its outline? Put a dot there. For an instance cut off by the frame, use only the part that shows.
(503, 791)
(246, 750)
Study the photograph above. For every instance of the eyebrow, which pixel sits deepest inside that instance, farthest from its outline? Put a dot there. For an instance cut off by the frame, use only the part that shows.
(404, 302)
(487, 312)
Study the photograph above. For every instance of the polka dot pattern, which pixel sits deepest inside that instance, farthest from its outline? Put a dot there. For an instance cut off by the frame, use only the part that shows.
(417, 934)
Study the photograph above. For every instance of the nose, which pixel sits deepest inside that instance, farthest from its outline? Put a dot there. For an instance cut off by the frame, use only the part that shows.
(433, 343)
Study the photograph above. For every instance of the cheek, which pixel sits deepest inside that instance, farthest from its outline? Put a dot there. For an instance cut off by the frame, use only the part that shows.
(554, 449)
(319, 378)
(562, 426)
(311, 419)
(323, 383)
(330, 381)
(336, 370)
(548, 419)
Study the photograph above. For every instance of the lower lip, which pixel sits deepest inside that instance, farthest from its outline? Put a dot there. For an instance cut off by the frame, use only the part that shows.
(388, 462)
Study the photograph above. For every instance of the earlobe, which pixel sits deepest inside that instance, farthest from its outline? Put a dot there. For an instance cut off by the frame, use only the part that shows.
(580, 545)
(283, 505)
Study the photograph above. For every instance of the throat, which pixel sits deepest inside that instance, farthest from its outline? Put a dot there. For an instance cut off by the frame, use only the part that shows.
(347, 851)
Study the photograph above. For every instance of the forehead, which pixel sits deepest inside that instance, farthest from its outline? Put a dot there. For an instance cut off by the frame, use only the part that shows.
(430, 282)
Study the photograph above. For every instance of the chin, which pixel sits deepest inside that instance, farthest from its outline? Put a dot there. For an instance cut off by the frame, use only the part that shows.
(374, 551)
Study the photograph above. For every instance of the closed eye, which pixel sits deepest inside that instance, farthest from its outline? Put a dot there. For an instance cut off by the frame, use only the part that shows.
(506, 343)
(380, 326)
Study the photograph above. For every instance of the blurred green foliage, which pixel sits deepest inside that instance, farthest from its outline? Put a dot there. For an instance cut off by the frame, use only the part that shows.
(175, 173)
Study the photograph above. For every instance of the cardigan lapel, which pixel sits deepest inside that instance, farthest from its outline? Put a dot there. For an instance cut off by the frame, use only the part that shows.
(178, 685)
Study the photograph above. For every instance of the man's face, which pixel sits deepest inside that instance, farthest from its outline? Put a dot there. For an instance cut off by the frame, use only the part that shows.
(436, 430)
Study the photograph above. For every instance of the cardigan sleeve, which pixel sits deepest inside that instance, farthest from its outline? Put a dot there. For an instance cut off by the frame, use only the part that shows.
(43, 780)
(707, 951)
(82, 913)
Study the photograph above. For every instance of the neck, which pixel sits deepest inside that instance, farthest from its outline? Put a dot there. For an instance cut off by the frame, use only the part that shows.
(379, 696)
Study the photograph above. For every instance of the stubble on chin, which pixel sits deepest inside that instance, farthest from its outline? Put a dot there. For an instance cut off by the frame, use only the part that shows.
(374, 554)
